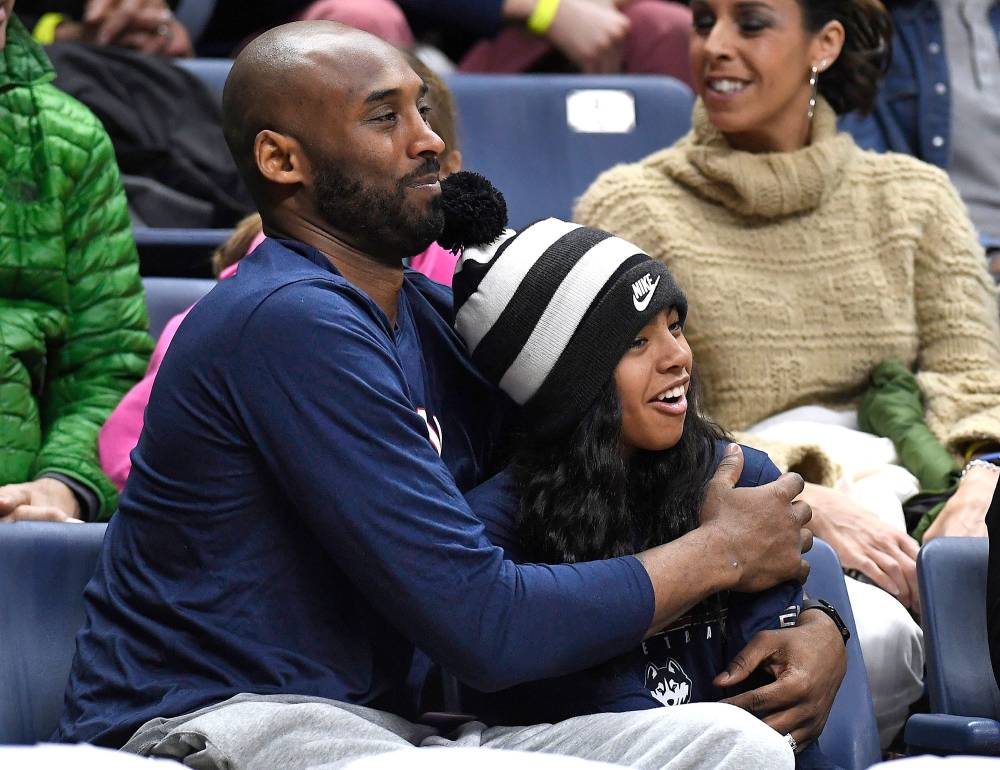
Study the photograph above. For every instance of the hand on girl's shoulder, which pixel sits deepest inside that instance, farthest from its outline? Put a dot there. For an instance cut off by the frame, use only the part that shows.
(757, 466)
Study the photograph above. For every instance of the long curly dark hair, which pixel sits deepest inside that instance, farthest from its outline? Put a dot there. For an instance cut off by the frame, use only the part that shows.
(581, 500)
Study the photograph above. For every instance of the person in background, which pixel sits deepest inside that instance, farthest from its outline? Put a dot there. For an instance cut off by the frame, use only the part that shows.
(73, 328)
(590, 36)
(808, 262)
(120, 433)
(152, 27)
(940, 101)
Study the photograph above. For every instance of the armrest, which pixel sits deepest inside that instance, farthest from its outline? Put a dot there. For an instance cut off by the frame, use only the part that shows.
(949, 734)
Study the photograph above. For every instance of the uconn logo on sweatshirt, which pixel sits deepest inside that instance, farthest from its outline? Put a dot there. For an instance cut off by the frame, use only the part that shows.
(434, 431)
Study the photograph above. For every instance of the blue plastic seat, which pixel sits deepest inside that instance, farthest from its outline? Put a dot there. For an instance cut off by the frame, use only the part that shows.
(542, 139)
(850, 738)
(166, 297)
(212, 72)
(963, 694)
(44, 568)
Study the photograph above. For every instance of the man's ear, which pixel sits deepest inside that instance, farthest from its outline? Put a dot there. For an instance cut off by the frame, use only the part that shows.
(279, 157)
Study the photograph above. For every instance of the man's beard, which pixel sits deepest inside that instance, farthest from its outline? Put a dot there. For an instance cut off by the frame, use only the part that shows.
(380, 222)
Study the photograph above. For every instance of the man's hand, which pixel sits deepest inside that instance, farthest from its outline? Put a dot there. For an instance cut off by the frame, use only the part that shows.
(148, 26)
(590, 34)
(964, 515)
(808, 663)
(44, 499)
(762, 529)
(863, 542)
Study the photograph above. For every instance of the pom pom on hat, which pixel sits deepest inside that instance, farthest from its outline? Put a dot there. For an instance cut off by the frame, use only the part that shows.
(475, 212)
(549, 312)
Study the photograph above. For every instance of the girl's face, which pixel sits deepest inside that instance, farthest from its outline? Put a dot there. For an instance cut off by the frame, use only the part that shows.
(751, 63)
(652, 381)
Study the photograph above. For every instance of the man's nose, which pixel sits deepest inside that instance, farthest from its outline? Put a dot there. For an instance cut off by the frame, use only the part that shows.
(425, 141)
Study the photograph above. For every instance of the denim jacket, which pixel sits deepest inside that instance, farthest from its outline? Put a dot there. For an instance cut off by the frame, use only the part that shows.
(913, 110)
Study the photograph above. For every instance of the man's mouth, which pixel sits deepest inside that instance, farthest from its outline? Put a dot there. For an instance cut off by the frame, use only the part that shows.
(426, 181)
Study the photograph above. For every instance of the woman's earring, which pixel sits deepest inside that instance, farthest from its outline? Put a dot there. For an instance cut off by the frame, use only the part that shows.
(814, 85)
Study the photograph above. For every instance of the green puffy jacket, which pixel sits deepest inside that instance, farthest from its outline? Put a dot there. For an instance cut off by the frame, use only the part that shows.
(73, 325)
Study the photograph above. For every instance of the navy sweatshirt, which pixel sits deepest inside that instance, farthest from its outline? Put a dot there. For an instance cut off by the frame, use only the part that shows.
(673, 667)
(294, 521)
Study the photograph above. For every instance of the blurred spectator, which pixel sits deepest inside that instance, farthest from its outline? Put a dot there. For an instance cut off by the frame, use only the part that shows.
(941, 99)
(72, 317)
(808, 262)
(150, 26)
(121, 432)
(593, 36)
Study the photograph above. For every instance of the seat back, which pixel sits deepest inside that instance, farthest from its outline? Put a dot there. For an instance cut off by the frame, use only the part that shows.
(850, 738)
(212, 72)
(166, 297)
(542, 139)
(44, 568)
(952, 575)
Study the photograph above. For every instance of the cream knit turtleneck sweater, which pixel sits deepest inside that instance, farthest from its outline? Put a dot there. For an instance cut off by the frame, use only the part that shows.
(805, 269)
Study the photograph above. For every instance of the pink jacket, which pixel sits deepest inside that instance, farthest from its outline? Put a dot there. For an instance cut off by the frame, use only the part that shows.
(121, 432)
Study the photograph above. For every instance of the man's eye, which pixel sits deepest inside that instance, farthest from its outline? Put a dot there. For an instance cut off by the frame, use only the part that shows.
(425, 112)
(386, 117)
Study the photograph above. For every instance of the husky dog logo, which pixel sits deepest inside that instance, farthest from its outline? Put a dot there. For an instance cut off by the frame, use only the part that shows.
(642, 291)
(669, 685)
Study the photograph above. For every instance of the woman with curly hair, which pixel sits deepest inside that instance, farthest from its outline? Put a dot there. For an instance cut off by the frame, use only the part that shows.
(810, 262)
(586, 334)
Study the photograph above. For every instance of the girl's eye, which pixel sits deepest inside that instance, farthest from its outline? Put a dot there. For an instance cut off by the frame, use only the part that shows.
(637, 343)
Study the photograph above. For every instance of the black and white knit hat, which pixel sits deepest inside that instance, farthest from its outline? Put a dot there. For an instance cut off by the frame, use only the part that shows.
(548, 313)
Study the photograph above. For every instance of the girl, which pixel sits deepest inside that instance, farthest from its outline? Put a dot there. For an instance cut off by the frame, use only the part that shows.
(586, 334)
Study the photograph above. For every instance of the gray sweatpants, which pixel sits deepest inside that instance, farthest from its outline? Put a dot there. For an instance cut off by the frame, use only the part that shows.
(294, 732)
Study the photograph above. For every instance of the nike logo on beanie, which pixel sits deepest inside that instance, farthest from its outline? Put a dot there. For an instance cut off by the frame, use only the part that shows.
(643, 290)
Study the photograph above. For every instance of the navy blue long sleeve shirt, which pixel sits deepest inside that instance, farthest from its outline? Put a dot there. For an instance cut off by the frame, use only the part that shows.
(294, 521)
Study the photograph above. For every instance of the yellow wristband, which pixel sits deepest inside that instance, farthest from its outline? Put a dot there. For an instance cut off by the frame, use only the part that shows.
(45, 30)
(542, 17)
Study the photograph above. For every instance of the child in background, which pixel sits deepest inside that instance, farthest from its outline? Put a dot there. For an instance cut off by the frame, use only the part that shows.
(121, 432)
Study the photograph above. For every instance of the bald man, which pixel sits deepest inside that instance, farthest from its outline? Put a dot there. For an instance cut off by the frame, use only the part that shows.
(294, 524)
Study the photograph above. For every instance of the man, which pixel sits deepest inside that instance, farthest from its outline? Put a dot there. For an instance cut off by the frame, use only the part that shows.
(294, 521)
(941, 101)
(73, 331)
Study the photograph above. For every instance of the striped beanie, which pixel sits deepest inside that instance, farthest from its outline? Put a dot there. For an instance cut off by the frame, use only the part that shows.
(549, 312)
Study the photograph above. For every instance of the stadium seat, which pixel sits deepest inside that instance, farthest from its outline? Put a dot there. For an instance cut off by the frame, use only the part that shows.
(964, 698)
(44, 568)
(850, 738)
(166, 297)
(212, 72)
(542, 139)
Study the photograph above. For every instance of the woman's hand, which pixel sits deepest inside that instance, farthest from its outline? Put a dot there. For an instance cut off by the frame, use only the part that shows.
(888, 556)
(964, 515)
(590, 34)
(808, 663)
